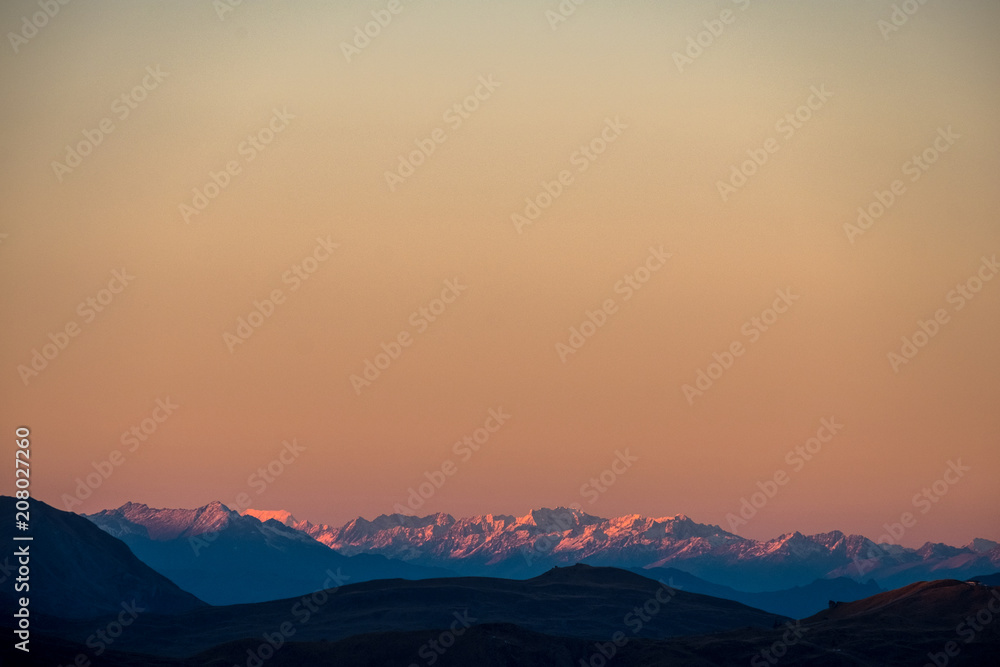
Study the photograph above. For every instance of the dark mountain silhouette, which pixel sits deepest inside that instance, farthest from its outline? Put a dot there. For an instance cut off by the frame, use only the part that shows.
(79, 571)
(796, 602)
(579, 601)
(923, 603)
(914, 625)
(226, 558)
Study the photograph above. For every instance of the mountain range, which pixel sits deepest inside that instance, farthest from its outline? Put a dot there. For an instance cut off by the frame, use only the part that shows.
(520, 547)
(82, 579)
(225, 558)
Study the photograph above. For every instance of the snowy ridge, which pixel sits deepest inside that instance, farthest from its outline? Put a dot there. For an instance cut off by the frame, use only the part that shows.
(523, 546)
(168, 524)
(518, 546)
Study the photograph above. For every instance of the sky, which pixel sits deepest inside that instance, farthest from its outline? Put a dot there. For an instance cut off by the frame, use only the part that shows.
(734, 260)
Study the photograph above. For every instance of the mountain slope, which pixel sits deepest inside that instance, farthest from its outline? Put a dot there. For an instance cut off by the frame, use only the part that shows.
(79, 571)
(226, 558)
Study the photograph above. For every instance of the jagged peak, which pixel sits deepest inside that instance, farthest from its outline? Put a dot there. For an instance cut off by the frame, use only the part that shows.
(166, 524)
(132, 506)
(559, 519)
(833, 534)
(215, 506)
(397, 520)
(794, 537)
(281, 516)
(981, 545)
(939, 549)
(831, 539)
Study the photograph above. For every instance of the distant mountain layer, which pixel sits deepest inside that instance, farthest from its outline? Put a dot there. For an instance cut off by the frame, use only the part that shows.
(226, 558)
(988, 579)
(797, 602)
(505, 545)
(79, 571)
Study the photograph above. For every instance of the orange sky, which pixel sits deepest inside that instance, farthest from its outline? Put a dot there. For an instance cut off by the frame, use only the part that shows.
(600, 110)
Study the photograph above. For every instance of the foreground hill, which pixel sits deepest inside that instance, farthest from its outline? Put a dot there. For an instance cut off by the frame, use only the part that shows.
(580, 601)
(79, 571)
(925, 603)
(914, 625)
(226, 558)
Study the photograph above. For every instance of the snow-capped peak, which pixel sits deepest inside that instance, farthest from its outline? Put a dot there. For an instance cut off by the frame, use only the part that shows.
(167, 524)
(982, 546)
(281, 516)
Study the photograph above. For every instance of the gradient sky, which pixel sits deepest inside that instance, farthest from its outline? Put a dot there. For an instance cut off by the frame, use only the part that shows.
(323, 176)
